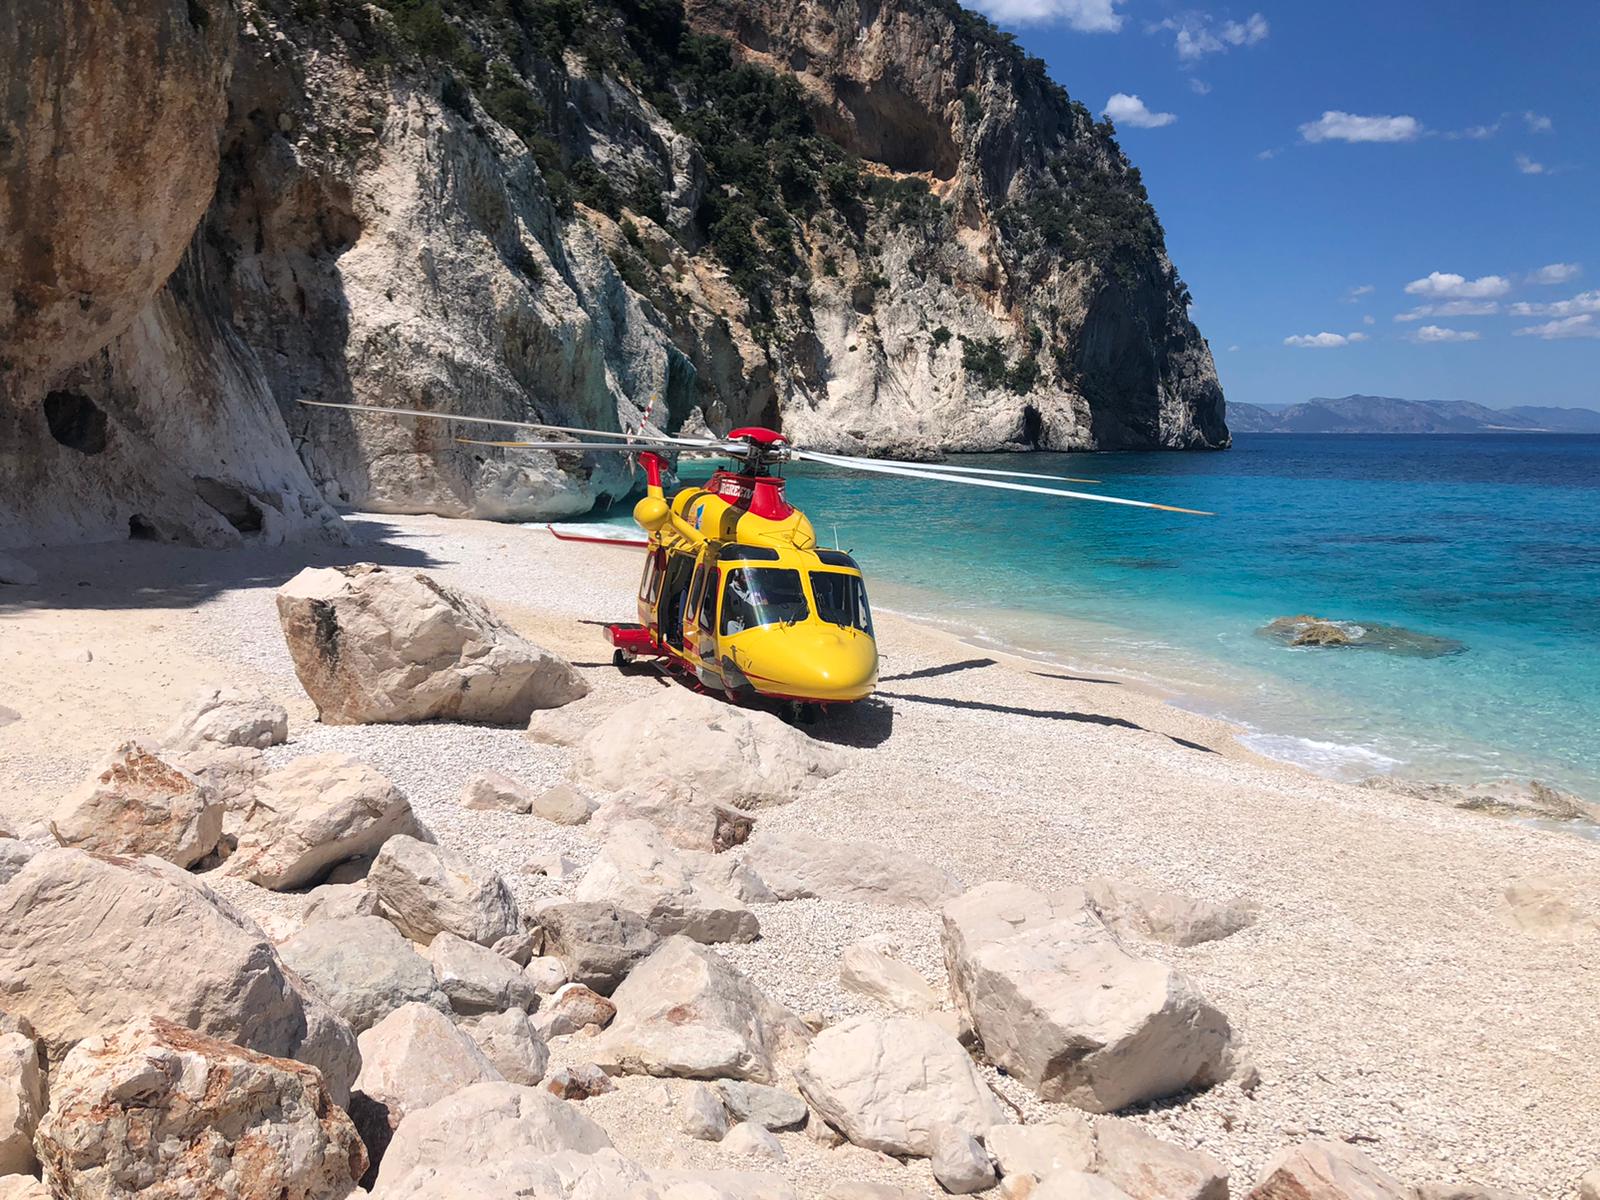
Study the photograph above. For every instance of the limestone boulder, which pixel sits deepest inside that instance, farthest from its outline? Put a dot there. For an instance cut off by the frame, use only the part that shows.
(376, 645)
(315, 813)
(571, 1009)
(686, 1011)
(597, 942)
(485, 1123)
(509, 1041)
(1153, 915)
(866, 969)
(569, 724)
(1589, 1185)
(337, 901)
(21, 1096)
(960, 1163)
(1076, 1185)
(141, 803)
(680, 746)
(1048, 1148)
(687, 824)
(228, 717)
(14, 855)
(796, 866)
(888, 1084)
(490, 791)
(562, 805)
(769, 1107)
(410, 1059)
(231, 772)
(702, 1115)
(476, 979)
(753, 1141)
(547, 973)
(1146, 1167)
(363, 967)
(156, 1110)
(23, 1187)
(1060, 1004)
(82, 937)
(578, 1081)
(638, 870)
(1326, 1170)
(425, 889)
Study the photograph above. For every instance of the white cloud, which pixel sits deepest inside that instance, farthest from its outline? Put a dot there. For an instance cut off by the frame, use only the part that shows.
(1369, 319)
(1355, 293)
(1199, 87)
(1265, 155)
(1086, 16)
(1527, 166)
(1555, 273)
(1435, 333)
(1477, 133)
(1581, 326)
(1197, 34)
(1537, 122)
(1334, 126)
(1232, 349)
(1583, 302)
(1323, 341)
(1451, 308)
(1130, 110)
(1445, 286)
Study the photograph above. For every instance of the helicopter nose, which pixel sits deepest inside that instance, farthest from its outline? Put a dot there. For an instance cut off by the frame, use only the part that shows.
(832, 664)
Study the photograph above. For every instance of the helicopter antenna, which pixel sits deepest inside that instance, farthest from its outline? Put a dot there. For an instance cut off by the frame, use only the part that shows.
(836, 535)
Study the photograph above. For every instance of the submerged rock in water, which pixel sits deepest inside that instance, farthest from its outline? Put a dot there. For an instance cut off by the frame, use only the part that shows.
(1365, 635)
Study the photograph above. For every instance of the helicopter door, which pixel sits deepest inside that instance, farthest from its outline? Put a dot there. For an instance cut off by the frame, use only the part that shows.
(674, 593)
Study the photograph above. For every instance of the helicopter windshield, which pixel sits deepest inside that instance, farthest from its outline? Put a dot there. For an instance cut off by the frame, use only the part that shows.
(842, 600)
(755, 596)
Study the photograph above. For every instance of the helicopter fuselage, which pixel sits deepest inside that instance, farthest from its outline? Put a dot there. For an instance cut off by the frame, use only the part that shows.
(736, 592)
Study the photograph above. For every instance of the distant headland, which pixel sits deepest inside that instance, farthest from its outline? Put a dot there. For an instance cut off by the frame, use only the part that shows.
(1388, 414)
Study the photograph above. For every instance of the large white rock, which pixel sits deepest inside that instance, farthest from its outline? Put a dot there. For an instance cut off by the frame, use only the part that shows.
(1132, 910)
(490, 791)
(960, 1163)
(638, 870)
(86, 940)
(141, 803)
(425, 888)
(476, 979)
(887, 1084)
(865, 968)
(363, 967)
(796, 865)
(1325, 1170)
(686, 1011)
(676, 745)
(156, 1110)
(485, 1123)
(598, 943)
(228, 717)
(1064, 1008)
(509, 1040)
(1043, 1150)
(687, 824)
(376, 645)
(410, 1059)
(1149, 1168)
(21, 1096)
(314, 814)
(231, 772)
(14, 855)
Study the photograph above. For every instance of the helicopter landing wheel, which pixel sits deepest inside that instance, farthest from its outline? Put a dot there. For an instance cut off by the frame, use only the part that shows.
(621, 660)
(800, 712)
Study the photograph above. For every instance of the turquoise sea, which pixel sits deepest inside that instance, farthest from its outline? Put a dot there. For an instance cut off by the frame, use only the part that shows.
(1493, 541)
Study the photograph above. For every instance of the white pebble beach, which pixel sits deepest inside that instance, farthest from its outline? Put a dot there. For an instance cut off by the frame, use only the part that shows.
(1385, 992)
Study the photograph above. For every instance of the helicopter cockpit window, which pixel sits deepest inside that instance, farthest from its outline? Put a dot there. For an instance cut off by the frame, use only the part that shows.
(842, 600)
(650, 585)
(837, 558)
(755, 596)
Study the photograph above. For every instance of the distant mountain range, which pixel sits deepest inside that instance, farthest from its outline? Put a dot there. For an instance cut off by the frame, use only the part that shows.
(1386, 414)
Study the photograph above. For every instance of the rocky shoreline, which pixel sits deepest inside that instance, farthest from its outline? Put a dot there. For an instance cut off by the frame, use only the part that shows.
(834, 965)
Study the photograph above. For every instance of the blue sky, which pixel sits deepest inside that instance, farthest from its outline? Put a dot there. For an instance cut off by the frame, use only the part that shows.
(1324, 169)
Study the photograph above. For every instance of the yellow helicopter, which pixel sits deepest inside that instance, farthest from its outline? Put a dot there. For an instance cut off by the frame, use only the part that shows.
(736, 593)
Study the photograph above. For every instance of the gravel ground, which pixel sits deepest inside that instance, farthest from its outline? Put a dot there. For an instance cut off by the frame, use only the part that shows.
(1385, 993)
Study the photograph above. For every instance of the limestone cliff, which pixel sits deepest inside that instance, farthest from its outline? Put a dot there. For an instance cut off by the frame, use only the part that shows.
(877, 224)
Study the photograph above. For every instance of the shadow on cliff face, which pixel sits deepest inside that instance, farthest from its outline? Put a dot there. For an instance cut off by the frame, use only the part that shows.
(143, 574)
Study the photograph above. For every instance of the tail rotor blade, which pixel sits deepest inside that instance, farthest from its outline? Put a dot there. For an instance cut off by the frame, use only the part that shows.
(656, 438)
(870, 465)
(852, 460)
(614, 447)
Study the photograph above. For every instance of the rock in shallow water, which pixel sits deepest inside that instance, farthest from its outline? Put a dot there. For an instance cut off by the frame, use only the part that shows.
(1307, 631)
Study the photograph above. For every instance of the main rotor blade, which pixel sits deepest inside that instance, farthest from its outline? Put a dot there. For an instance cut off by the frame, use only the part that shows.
(917, 466)
(869, 465)
(586, 447)
(662, 439)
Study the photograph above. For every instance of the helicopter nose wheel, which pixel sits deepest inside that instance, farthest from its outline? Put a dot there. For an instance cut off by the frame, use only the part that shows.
(621, 660)
(799, 712)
